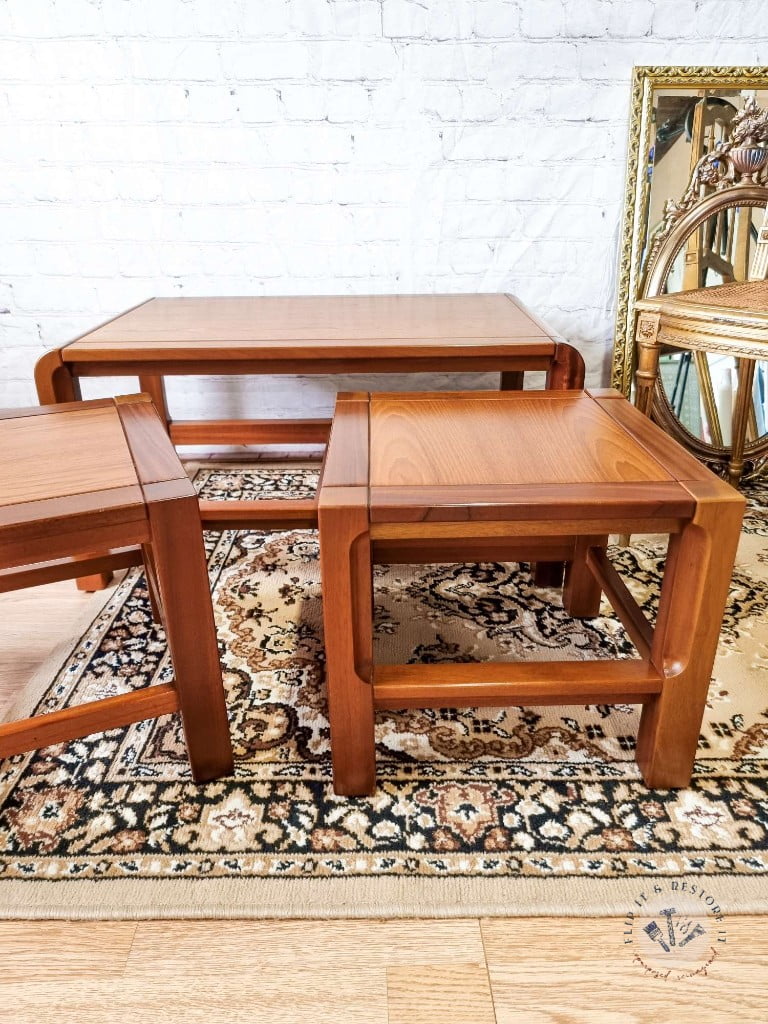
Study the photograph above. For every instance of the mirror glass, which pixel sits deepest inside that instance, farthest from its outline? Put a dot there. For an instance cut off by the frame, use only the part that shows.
(701, 389)
(685, 124)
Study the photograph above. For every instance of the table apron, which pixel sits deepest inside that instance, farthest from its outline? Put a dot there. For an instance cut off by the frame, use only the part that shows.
(531, 528)
(299, 367)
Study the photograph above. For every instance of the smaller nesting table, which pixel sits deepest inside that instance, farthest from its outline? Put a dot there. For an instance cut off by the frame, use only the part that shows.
(95, 486)
(542, 476)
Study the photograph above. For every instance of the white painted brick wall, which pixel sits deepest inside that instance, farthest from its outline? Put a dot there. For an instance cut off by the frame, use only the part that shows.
(181, 147)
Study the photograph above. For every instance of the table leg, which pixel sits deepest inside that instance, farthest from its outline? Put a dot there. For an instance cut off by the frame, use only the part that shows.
(345, 559)
(54, 380)
(740, 420)
(150, 575)
(694, 592)
(567, 369)
(548, 574)
(154, 386)
(99, 581)
(582, 592)
(55, 384)
(182, 577)
(565, 373)
(512, 380)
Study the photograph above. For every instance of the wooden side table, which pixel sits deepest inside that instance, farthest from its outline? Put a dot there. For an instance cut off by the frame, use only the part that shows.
(303, 335)
(521, 476)
(102, 476)
(730, 319)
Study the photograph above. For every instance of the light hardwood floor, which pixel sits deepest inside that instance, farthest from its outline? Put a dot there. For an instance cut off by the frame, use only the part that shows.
(502, 970)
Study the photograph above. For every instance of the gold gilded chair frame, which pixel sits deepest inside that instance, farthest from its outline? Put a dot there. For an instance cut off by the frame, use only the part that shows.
(645, 82)
(745, 196)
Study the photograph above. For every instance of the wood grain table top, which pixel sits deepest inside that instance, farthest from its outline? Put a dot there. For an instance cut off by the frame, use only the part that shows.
(332, 327)
(468, 440)
(50, 454)
(104, 458)
(563, 454)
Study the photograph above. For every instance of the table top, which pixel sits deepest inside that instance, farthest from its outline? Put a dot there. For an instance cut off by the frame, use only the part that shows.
(446, 455)
(467, 440)
(99, 462)
(78, 451)
(317, 327)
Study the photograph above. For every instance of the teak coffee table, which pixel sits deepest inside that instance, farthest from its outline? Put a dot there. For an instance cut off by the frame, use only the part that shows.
(415, 478)
(302, 335)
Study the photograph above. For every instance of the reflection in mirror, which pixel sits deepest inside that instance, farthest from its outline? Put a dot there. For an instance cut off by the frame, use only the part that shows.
(721, 251)
(684, 128)
(701, 391)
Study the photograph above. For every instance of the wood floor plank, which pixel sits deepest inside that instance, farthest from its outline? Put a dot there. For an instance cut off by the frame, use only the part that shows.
(432, 994)
(620, 996)
(256, 996)
(34, 622)
(41, 951)
(551, 940)
(577, 971)
(224, 945)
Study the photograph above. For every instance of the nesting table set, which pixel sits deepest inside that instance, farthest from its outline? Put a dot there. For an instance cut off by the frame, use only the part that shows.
(541, 476)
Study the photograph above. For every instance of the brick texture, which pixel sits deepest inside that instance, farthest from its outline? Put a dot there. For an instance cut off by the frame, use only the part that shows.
(173, 147)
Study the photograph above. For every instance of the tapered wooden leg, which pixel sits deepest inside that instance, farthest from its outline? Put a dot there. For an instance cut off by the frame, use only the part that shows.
(695, 588)
(90, 584)
(182, 577)
(646, 341)
(154, 386)
(565, 372)
(345, 559)
(582, 593)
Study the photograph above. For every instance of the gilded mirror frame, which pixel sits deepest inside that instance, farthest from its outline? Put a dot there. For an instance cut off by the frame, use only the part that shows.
(633, 229)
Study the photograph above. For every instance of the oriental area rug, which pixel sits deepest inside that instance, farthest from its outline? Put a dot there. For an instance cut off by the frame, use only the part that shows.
(512, 811)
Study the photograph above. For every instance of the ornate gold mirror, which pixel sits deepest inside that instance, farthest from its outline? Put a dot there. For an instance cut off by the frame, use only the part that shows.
(695, 217)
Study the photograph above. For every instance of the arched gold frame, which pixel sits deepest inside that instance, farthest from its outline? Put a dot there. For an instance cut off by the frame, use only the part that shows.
(715, 456)
(747, 194)
(634, 229)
